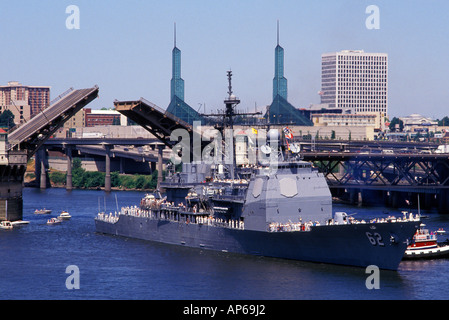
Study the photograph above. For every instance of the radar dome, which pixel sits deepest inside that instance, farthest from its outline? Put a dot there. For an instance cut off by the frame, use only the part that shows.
(273, 135)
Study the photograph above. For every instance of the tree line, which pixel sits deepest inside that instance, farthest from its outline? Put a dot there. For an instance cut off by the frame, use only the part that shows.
(396, 121)
(93, 179)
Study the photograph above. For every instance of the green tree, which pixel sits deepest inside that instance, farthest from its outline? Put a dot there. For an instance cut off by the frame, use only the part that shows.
(140, 181)
(7, 119)
(115, 179)
(444, 121)
(393, 124)
(58, 177)
(93, 179)
(78, 178)
(128, 182)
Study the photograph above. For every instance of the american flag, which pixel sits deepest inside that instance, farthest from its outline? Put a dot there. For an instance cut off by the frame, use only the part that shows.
(288, 133)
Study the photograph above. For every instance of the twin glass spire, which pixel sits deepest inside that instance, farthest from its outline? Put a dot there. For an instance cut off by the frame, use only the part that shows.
(178, 107)
(177, 83)
(279, 81)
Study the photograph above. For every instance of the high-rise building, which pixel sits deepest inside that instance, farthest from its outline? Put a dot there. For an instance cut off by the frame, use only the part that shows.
(355, 81)
(281, 111)
(23, 101)
(177, 106)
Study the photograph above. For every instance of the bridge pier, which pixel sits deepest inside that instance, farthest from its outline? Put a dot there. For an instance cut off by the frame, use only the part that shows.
(68, 185)
(429, 200)
(395, 199)
(11, 186)
(41, 165)
(160, 149)
(443, 201)
(107, 176)
(354, 196)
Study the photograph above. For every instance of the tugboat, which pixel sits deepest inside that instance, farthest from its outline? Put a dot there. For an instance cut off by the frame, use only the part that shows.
(425, 246)
(275, 205)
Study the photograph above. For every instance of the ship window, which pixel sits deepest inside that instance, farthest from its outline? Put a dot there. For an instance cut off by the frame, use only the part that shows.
(288, 187)
(257, 190)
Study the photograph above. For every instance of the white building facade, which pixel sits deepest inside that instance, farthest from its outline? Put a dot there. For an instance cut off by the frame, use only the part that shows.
(355, 81)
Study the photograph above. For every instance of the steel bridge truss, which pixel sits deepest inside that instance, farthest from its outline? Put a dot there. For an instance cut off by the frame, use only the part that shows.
(384, 171)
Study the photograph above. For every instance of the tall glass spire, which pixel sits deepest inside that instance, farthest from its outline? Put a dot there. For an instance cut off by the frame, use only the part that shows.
(279, 81)
(177, 83)
(178, 107)
(281, 111)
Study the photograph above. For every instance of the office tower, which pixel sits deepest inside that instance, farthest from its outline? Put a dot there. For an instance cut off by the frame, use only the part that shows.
(355, 81)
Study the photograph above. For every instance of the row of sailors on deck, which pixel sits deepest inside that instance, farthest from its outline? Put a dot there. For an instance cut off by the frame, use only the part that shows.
(137, 212)
(300, 226)
(150, 202)
(111, 218)
(235, 181)
(351, 220)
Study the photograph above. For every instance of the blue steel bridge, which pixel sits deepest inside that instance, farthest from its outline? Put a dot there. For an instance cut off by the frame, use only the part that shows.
(396, 179)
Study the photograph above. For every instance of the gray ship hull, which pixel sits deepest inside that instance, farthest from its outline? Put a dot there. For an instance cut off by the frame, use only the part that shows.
(379, 244)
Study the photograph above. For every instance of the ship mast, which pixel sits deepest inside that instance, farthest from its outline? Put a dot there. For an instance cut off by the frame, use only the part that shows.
(228, 122)
(230, 102)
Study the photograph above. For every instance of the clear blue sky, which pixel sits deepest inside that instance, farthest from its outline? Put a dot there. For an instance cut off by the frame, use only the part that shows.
(125, 48)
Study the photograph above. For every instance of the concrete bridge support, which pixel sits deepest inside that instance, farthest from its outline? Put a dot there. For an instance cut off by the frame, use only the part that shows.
(69, 185)
(443, 201)
(41, 166)
(107, 177)
(160, 149)
(395, 199)
(354, 196)
(11, 181)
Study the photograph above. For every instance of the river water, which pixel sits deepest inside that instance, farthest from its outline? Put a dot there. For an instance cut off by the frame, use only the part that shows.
(34, 261)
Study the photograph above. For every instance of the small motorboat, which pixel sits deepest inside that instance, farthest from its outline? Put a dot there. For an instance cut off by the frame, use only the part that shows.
(425, 246)
(42, 211)
(64, 215)
(440, 231)
(19, 223)
(53, 221)
(6, 225)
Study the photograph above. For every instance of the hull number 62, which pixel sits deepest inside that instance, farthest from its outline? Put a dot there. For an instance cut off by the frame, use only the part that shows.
(375, 239)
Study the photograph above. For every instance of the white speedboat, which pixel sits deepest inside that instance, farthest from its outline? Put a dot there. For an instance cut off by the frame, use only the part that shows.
(19, 223)
(6, 225)
(53, 221)
(42, 211)
(64, 215)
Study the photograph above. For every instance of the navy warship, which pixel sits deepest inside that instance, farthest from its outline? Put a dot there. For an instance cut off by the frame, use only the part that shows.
(276, 206)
